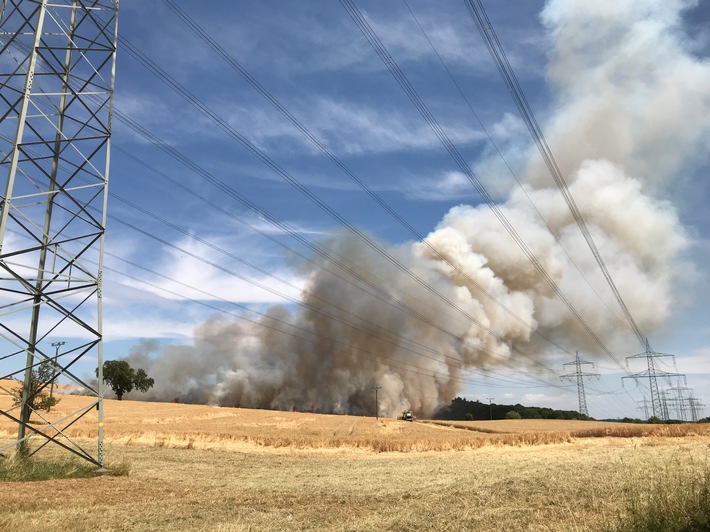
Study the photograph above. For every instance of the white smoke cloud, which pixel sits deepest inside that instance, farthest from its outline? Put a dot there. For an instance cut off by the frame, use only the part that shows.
(629, 91)
(632, 107)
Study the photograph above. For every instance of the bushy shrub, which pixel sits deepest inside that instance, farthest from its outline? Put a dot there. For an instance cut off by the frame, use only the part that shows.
(38, 398)
(512, 414)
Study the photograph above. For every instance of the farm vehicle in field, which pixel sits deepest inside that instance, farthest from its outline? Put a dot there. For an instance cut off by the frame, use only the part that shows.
(407, 416)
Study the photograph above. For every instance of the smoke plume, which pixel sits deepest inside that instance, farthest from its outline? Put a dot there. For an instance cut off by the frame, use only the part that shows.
(632, 105)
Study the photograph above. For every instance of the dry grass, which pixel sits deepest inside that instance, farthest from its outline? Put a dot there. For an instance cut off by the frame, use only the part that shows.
(208, 468)
(557, 431)
(551, 487)
(208, 427)
(6, 385)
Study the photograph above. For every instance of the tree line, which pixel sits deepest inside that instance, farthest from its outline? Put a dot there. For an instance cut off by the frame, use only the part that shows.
(462, 409)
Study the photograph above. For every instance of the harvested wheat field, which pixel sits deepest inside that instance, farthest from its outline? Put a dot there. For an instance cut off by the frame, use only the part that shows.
(209, 468)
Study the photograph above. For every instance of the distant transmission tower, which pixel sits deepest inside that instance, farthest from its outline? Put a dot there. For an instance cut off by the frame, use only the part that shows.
(579, 376)
(680, 401)
(643, 405)
(658, 403)
(686, 404)
(56, 100)
(696, 408)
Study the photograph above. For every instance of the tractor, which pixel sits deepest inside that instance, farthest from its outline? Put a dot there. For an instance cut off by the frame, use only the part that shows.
(407, 415)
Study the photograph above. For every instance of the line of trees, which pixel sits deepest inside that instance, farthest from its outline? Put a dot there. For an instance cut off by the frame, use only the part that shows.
(463, 409)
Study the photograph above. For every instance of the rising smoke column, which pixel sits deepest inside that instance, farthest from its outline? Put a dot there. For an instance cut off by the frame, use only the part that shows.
(626, 122)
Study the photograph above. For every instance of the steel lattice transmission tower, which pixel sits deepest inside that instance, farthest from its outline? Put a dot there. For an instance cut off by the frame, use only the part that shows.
(684, 402)
(658, 404)
(579, 375)
(696, 408)
(57, 70)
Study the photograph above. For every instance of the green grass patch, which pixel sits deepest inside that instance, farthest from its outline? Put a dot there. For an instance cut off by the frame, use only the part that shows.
(16, 469)
(672, 498)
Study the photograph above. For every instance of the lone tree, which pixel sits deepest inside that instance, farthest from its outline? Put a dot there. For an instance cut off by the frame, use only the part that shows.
(122, 378)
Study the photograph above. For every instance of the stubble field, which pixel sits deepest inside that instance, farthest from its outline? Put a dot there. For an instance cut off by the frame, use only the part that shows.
(209, 468)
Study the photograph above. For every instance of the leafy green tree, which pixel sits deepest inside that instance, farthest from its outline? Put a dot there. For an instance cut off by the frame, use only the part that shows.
(468, 416)
(38, 399)
(512, 414)
(142, 382)
(122, 378)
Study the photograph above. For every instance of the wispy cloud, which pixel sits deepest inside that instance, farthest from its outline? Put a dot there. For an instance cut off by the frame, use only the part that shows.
(450, 186)
(236, 282)
(347, 128)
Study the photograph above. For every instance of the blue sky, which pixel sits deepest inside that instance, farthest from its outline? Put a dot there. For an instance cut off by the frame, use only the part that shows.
(314, 60)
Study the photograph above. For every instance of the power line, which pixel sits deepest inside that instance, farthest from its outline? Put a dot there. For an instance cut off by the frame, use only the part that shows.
(416, 100)
(658, 403)
(268, 161)
(522, 188)
(310, 334)
(162, 144)
(210, 114)
(385, 335)
(318, 249)
(478, 14)
(235, 65)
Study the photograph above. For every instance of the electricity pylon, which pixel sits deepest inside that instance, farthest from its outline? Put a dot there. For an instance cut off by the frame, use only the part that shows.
(658, 404)
(579, 376)
(686, 403)
(696, 408)
(643, 405)
(56, 100)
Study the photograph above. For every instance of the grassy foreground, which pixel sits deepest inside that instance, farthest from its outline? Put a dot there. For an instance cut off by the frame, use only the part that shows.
(15, 469)
(583, 486)
(229, 470)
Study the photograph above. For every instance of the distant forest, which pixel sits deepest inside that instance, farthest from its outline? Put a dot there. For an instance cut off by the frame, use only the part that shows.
(462, 409)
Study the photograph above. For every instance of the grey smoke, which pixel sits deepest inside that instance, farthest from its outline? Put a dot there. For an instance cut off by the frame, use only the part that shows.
(627, 121)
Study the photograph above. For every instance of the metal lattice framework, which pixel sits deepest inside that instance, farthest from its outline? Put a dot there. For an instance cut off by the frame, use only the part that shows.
(579, 376)
(658, 403)
(57, 69)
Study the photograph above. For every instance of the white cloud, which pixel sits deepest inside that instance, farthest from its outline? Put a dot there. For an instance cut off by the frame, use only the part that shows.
(698, 361)
(136, 324)
(347, 128)
(197, 279)
(451, 186)
(265, 226)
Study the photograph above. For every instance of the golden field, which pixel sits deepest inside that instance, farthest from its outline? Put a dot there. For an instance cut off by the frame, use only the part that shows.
(208, 468)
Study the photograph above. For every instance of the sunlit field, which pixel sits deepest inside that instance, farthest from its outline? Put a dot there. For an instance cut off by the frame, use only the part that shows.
(208, 468)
